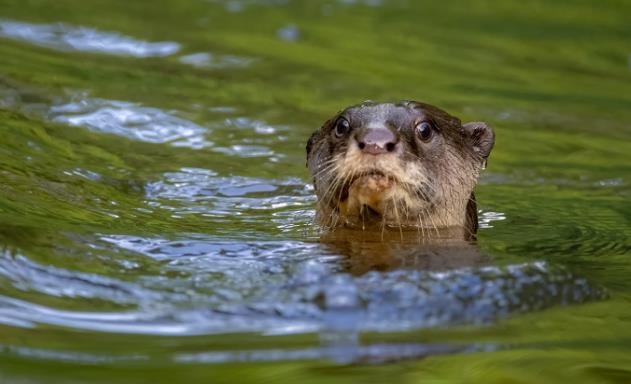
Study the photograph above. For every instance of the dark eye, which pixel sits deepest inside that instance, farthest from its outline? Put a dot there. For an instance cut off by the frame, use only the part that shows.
(342, 127)
(424, 130)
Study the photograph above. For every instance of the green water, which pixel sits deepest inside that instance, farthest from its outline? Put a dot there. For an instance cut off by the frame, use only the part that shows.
(147, 192)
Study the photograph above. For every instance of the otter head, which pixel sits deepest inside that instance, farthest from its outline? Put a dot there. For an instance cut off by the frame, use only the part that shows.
(407, 164)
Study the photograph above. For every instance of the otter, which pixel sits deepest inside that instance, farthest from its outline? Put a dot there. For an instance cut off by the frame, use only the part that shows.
(405, 165)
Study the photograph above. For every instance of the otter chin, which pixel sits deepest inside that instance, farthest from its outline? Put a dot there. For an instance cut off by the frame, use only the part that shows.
(367, 194)
(407, 165)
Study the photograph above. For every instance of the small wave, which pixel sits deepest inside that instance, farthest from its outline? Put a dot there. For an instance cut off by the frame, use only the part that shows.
(132, 121)
(236, 6)
(280, 289)
(28, 276)
(194, 191)
(64, 37)
(215, 61)
(486, 218)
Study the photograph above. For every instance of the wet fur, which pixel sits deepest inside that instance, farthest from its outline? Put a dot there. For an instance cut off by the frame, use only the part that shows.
(433, 181)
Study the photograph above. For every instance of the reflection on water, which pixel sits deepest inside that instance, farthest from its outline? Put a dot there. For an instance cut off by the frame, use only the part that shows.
(342, 353)
(132, 121)
(281, 287)
(68, 38)
(209, 60)
(377, 353)
(486, 219)
(156, 190)
(241, 5)
(203, 184)
(411, 250)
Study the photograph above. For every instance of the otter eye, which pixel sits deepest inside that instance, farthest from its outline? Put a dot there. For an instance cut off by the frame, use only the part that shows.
(424, 130)
(342, 127)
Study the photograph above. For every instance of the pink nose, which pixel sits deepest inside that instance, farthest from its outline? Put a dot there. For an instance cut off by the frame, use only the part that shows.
(377, 141)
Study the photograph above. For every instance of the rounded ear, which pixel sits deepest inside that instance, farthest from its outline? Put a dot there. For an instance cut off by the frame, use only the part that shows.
(481, 138)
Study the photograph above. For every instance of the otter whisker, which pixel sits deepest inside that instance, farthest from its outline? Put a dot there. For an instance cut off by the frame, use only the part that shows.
(383, 220)
(338, 186)
(330, 193)
(431, 218)
(396, 214)
(420, 218)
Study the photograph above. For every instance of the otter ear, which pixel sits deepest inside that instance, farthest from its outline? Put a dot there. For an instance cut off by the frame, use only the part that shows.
(481, 137)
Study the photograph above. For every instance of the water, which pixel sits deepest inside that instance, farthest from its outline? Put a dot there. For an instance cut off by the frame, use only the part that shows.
(157, 217)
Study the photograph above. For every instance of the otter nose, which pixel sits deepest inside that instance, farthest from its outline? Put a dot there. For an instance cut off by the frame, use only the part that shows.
(376, 141)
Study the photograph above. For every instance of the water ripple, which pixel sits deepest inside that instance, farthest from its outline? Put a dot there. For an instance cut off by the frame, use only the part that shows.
(64, 37)
(215, 61)
(28, 276)
(280, 288)
(203, 192)
(486, 218)
(346, 352)
(131, 120)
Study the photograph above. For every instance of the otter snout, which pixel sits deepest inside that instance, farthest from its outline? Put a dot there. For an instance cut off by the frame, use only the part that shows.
(376, 141)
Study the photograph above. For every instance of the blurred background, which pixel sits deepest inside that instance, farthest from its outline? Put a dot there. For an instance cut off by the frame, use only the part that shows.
(156, 217)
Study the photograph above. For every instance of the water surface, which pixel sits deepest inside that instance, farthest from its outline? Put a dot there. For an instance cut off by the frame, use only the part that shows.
(157, 217)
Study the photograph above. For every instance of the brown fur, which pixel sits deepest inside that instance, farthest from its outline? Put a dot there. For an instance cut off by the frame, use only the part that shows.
(424, 185)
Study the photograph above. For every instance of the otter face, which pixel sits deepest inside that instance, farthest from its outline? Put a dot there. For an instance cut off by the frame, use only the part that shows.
(407, 164)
